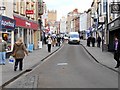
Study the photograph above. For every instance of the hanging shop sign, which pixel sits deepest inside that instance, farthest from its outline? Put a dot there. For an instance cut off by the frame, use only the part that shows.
(2, 7)
(7, 23)
(115, 8)
(101, 20)
(29, 11)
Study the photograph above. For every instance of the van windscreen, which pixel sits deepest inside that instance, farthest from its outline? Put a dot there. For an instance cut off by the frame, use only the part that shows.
(74, 36)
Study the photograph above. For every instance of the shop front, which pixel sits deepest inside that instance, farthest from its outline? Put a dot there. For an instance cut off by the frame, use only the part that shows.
(7, 27)
(114, 31)
(27, 30)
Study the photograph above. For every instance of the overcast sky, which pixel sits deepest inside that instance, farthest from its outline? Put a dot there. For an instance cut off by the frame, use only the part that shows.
(65, 6)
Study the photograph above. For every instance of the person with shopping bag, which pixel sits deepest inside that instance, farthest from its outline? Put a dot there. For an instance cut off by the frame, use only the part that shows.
(19, 52)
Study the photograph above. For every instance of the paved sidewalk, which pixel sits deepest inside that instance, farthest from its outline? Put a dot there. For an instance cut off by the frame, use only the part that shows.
(105, 58)
(34, 58)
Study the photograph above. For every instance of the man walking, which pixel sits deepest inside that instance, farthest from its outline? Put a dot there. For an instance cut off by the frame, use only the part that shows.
(117, 51)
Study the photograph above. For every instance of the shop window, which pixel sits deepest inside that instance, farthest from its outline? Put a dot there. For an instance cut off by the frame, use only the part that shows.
(7, 37)
(15, 35)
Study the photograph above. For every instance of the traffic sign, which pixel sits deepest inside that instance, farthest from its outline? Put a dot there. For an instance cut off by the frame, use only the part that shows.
(2, 8)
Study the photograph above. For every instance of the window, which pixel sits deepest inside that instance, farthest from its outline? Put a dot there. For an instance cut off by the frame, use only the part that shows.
(104, 6)
(7, 37)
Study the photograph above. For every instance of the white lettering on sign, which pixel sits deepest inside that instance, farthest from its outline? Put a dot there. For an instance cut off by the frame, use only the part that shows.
(28, 24)
(7, 23)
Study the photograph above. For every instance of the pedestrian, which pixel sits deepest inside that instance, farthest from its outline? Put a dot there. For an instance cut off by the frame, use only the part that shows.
(49, 42)
(58, 40)
(117, 52)
(3, 48)
(53, 41)
(19, 52)
(88, 41)
(93, 41)
(98, 41)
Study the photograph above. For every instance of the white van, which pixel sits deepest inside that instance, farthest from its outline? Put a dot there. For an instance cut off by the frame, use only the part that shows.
(74, 38)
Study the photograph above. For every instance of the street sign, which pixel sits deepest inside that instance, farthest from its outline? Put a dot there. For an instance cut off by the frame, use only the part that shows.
(2, 8)
(115, 8)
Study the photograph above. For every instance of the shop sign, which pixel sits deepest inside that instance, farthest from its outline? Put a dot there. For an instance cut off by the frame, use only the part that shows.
(25, 23)
(28, 24)
(101, 20)
(2, 8)
(7, 23)
(29, 12)
(115, 8)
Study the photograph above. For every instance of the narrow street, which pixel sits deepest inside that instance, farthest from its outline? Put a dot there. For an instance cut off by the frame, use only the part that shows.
(70, 67)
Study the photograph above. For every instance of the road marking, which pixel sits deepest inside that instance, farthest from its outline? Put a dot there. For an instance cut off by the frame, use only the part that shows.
(62, 64)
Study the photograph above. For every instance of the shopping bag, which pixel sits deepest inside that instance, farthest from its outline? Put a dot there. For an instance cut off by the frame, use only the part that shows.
(11, 59)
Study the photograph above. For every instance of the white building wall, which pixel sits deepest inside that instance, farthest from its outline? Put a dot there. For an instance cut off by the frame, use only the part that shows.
(83, 22)
(8, 4)
(63, 25)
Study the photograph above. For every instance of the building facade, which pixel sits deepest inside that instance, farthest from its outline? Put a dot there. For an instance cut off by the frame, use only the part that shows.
(83, 25)
(19, 18)
(52, 17)
(63, 25)
(25, 14)
(7, 23)
(73, 21)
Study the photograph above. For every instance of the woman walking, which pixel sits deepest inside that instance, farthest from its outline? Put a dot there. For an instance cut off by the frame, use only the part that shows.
(49, 41)
(19, 51)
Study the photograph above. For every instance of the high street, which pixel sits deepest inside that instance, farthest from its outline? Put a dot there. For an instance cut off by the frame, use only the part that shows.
(70, 67)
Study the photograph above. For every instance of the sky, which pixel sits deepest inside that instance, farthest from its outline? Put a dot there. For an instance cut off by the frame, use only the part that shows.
(65, 6)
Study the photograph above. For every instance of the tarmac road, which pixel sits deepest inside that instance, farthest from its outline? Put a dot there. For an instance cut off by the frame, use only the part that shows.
(70, 67)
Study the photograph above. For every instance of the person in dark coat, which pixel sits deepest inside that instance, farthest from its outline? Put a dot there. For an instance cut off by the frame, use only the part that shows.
(98, 41)
(58, 40)
(88, 41)
(93, 41)
(117, 52)
(49, 42)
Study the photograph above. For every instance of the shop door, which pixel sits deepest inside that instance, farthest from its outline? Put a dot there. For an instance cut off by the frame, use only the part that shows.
(25, 37)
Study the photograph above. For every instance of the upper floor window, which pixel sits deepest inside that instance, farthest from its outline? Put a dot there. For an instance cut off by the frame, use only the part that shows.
(104, 6)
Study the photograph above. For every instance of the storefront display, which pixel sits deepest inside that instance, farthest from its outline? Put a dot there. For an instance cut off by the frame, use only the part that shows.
(7, 26)
(26, 29)
(114, 31)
